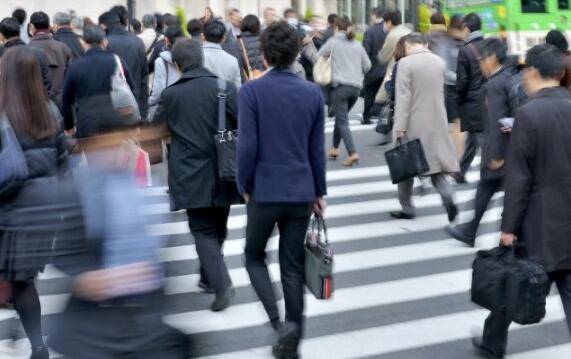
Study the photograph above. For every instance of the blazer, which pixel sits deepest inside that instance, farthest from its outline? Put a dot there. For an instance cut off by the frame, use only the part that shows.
(71, 39)
(537, 204)
(280, 148)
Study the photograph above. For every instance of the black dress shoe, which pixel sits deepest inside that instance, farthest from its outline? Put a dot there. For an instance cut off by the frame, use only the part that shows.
(458, 178)
(40, 352)
(458, 233)
(288, 342)
(452, 212)
(222, 302)
(482, 351)
(402, 215)
(206, 288)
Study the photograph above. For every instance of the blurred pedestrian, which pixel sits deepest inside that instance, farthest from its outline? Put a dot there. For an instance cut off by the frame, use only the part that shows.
(330, 30)
(395, 31)
(274, 145)
(26, 227)
(64, 33)
(136, 26)
(149, 35)
(250, 29)
(218, 61)
(469, 91)
(270, 16)
(557, 39)
(20, 15)
(373, 42)
(349, 64)
(234, 22)
(195, 29)
(420, 113)
(189, 108)
(58, 54)
(163, 23)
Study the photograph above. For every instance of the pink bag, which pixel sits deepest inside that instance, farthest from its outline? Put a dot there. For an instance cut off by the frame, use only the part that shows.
(142, 170)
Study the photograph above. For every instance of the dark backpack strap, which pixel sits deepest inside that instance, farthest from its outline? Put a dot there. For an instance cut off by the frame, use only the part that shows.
(221, 104)
(166, 71)
(152, 47)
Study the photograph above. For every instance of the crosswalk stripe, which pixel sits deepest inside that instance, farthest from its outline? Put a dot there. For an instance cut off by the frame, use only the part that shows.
(562, 351)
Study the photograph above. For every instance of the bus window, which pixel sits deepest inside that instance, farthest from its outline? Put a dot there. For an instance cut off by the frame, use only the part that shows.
(534, 6)
(563, 4)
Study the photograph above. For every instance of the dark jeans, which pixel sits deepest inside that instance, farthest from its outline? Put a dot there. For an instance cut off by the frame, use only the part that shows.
(497, 324)
(369, 94)
(343, 98)
(209, 228)
(292, 220)
(474, 141)
(484, 193)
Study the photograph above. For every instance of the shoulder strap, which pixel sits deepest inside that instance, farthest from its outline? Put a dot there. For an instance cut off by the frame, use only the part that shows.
(245, 55)
(120, 67)
(166, 71)
(151, 48)
(221, 104)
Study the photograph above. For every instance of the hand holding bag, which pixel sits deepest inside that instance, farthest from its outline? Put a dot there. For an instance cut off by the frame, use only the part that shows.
(385, 120)
(13, 167)
(318, 259)
(323, 69)
(406, 160)
(225, 140)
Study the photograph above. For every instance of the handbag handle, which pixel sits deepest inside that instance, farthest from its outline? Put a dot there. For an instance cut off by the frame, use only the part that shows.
(321, 225)
(222, 96)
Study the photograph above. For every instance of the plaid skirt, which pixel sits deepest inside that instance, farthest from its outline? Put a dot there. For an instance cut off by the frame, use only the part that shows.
(24, 254)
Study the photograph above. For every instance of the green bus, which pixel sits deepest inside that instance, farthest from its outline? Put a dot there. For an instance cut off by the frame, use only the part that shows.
(524, 23)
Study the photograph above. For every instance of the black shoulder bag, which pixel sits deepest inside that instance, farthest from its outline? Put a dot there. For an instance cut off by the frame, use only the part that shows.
(225, 139)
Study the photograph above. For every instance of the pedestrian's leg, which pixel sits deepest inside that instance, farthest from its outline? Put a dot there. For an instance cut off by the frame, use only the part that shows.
(222, 233)
(495, 338)
(370, 92)
(405, 196)
(470, 150)
(261, 222)
(350, 97)
(563, 282)
(338, 104)
(27, 304)
(484, 193)
(446, 193)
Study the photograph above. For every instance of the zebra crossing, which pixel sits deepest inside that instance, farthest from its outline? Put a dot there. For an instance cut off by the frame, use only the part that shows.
(401, 286)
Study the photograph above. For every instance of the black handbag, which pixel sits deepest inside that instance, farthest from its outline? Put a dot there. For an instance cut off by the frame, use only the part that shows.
(225, 140)
(489, 271)
(406, 160)
(318, 259)
(384, 118)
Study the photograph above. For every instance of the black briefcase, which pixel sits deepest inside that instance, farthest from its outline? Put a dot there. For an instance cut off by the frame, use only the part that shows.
(406, 160)
(318, 259)
(489, 271)
(225, 140)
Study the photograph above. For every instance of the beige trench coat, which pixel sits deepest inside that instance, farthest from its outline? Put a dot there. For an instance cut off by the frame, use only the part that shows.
(420, 110)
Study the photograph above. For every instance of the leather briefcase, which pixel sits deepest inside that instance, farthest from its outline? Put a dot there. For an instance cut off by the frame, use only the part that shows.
(318, 259)
(406, 160)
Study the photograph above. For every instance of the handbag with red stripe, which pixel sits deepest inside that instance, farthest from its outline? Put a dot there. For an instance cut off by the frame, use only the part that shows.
(318, 259)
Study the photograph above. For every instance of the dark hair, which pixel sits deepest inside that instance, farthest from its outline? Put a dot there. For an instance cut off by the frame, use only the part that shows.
(290, 11)
(280, 45)
(173, 33)
(437, 19)
(415, 38)
(10, 28)
(194, 27)
(557, 39)
(393, 16)
(548, 60)
(377, 12)
(93, 35)
(160, 23)
(40, 20)
(187, 54)
(473, 22)
(122, 12)
(494, 46)
(109, 19)
(250, 23)
(22, 94)
(149, 21)
(20, 15)
(214, 31)
(171, 20)
(137, 26)
(343, 23)
(456, 22)
(400, 49)
(331, 19)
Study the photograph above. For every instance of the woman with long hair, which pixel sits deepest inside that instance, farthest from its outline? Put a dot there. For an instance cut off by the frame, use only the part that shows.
(25, 246)
(350, 63)
(250, 46)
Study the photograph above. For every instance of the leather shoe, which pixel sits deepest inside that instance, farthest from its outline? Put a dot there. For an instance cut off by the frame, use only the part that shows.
(402, 215)
(452, 210)
(459, 179)
(458, 234)
(482, 351)
(206, 288)
(40, 352)
(288, 341)
(222, 302)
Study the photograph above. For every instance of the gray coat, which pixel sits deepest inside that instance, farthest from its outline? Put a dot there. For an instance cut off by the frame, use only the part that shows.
(420, 109)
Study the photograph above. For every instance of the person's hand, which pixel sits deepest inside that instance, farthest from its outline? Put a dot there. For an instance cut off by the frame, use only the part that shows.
(506, 130)
(400, 134)
(246, 198)
(496, 165)
(92, 285)
(71, 132)
(507, 239)
(319, 205)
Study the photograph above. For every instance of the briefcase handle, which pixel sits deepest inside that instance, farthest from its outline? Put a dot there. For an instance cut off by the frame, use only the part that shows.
(320, 222)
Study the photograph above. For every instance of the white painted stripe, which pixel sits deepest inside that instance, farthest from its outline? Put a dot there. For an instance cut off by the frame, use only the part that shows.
(396, 337)
(351, 122)
(562, 351)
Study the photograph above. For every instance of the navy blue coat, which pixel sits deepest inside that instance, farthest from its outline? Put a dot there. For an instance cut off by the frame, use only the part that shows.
(281, 140)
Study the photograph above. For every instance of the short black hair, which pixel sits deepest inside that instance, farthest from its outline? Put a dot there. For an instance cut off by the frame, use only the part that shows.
(438, 19)
(171, 20)
(93, 35)
(548, 60)
(494, 46)
(251, 23)
(40, 20)
(173, 33)
(109, 19)
(10, 28)
(393, 16)
(415, 38)
(377, 12)
(137, 26)
(331, 19)
(160, 23)
(187, 54)
(194, 27)
(122, 12)
(473, 22)
(456, 22)
(557, 39)
(290, 11)
(280, 45)
(20, 15)
(214, 31)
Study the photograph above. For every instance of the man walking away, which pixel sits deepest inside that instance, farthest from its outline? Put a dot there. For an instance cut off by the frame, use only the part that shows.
(537, 206)
(373, 42)
(420, 113)
(20, 15)
(218, 61)
(498, 92)
(64, 33)
(149, 35)
(57, 53)
(469, 88)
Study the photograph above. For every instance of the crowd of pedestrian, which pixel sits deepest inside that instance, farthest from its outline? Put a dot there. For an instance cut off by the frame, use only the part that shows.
(79, 96)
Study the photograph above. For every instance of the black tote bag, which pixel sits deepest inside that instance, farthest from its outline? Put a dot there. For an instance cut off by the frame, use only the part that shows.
(406, 160)
(225, 140)
(318, 259)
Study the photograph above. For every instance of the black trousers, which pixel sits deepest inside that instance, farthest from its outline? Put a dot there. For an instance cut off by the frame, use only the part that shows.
(486, 190)
(474, 141)
(369, 93)
(292, 220)
(209, 228)
(497, 324)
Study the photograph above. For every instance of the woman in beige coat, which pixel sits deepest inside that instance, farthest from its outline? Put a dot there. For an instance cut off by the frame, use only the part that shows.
(420, 113)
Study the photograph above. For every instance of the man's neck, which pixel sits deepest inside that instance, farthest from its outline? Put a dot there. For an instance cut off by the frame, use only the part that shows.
(546, 84)
(41, 32)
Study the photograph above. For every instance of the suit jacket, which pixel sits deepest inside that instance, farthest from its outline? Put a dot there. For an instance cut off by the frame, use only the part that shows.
(373, 42)
(469, 85)
(537, 205)
(281, 155)
(71, 39)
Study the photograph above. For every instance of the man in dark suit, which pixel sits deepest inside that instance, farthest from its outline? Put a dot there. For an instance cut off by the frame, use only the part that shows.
(537, 207)
(373, 42)
(64, 33)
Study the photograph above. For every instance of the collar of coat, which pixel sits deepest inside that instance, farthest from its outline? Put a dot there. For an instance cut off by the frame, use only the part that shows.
(42, 36)
(475, 35)
(420, 51)
(195, 72)
(558, 91)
